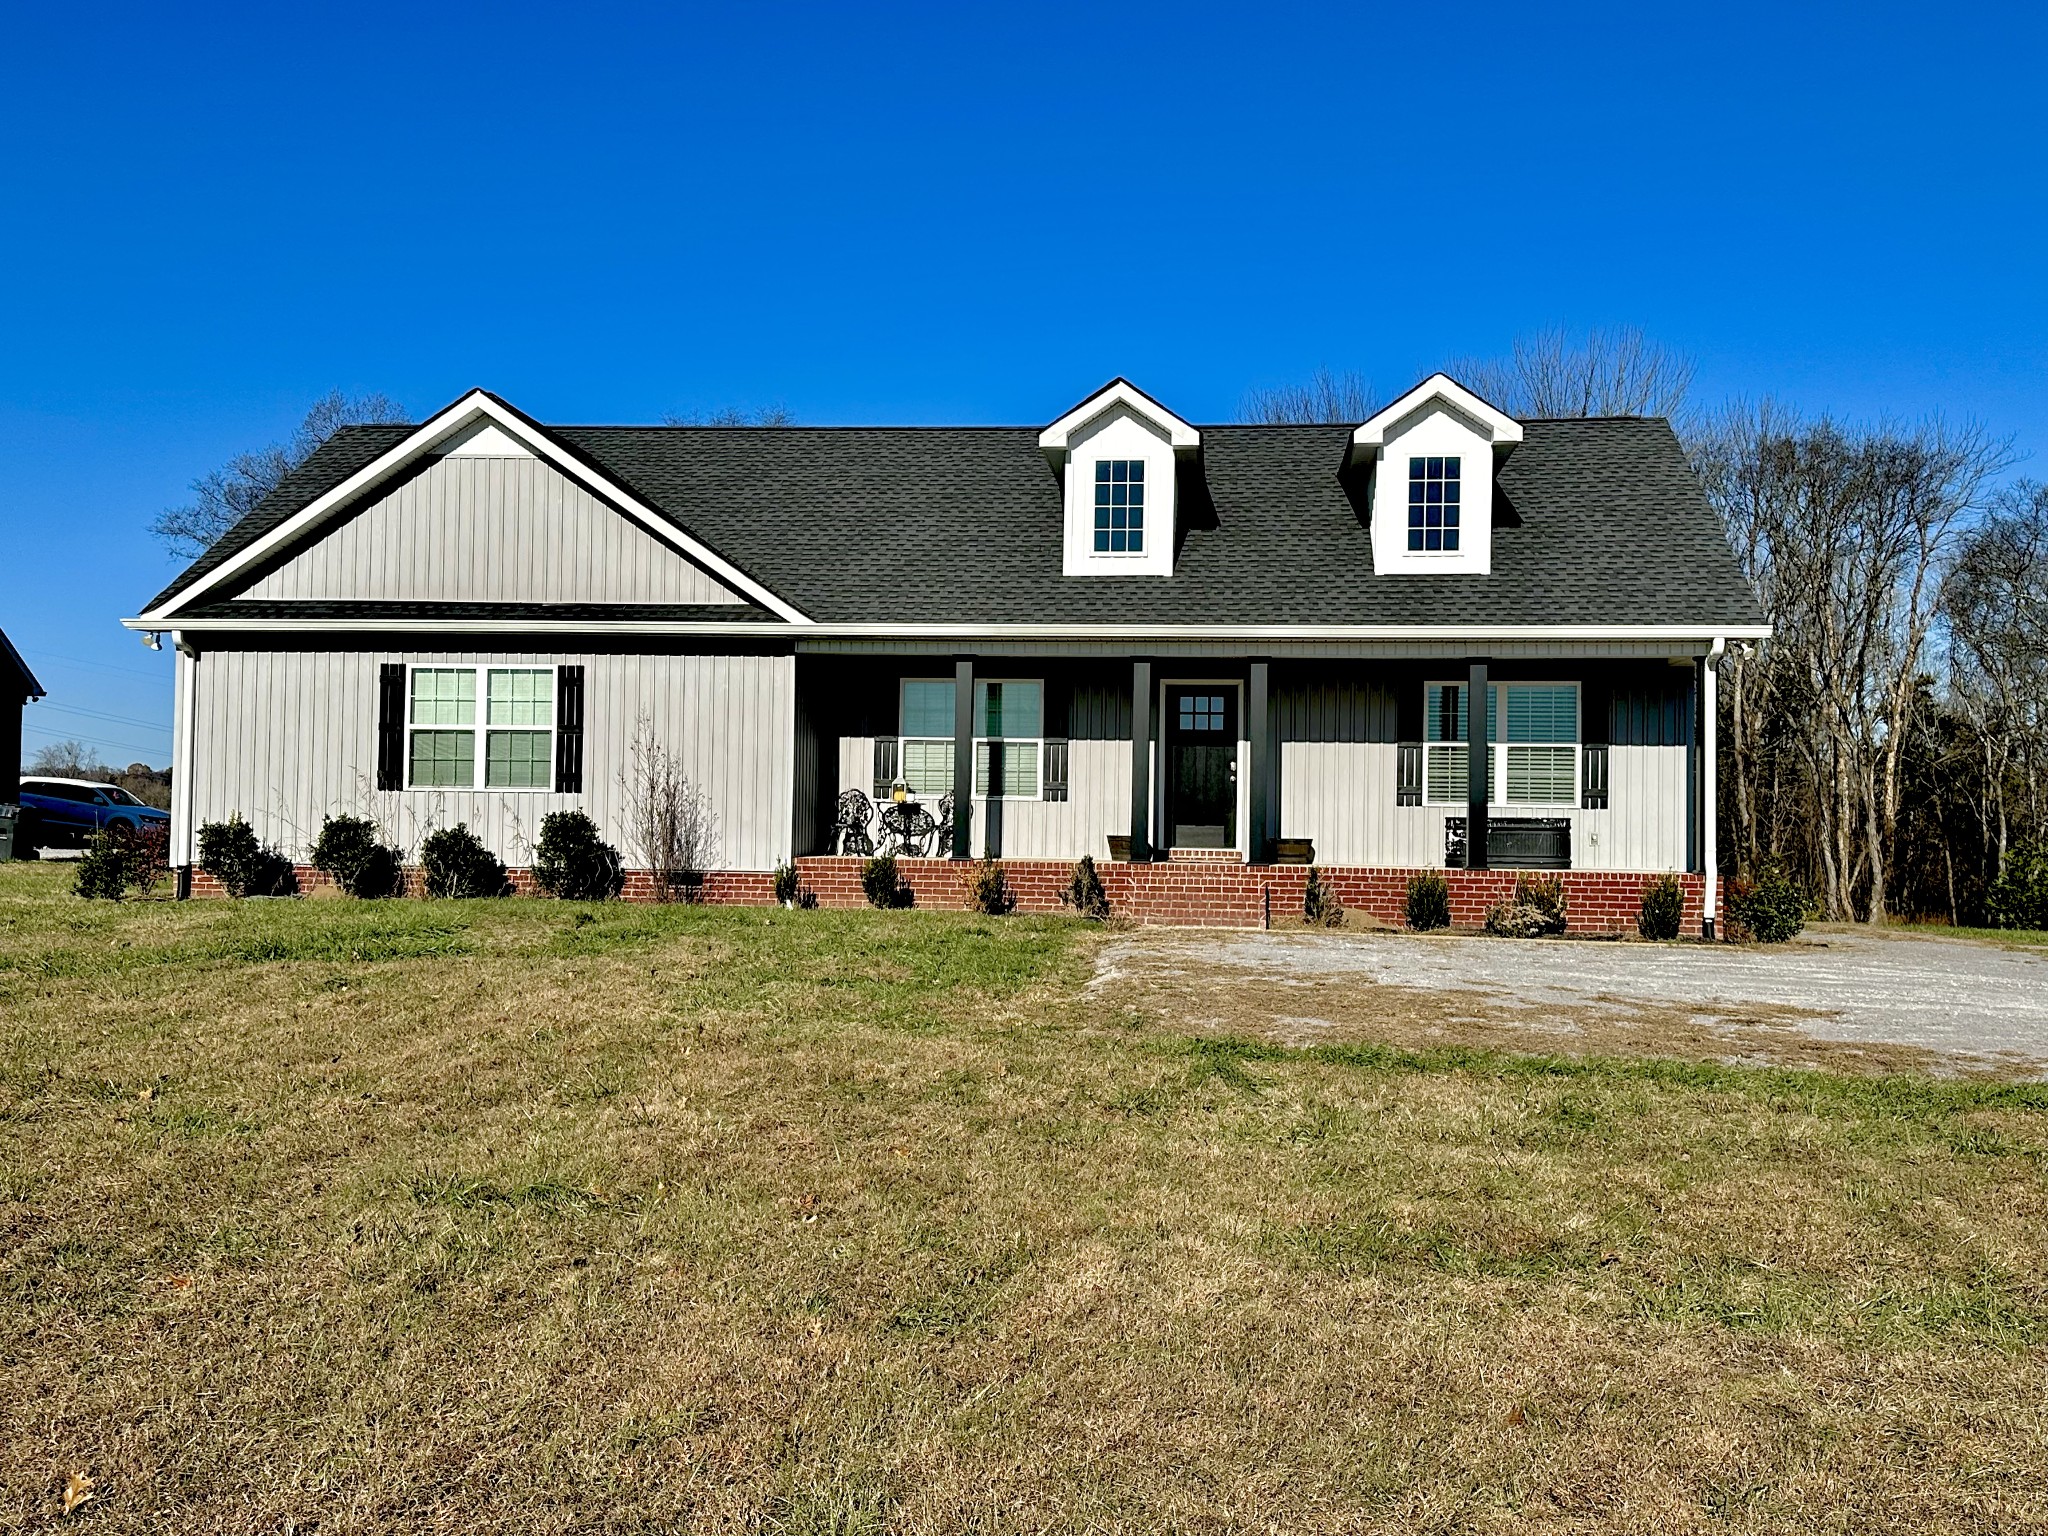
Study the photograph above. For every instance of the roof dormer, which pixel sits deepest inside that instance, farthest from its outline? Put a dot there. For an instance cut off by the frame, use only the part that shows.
(1116, 454)
(1432, 456)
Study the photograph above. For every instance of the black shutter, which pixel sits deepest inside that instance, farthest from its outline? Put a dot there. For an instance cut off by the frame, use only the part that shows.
(568, 730)
(1596, 776)
(887, 760)
(391, 725)
(1408, 782)
(1053, 780)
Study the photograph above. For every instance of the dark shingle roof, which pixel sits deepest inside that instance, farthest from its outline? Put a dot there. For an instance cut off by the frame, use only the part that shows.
(962, 525)
(23, 683)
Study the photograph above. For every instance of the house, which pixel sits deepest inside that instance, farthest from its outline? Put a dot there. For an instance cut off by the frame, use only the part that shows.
(18, 686)
(1205, 649)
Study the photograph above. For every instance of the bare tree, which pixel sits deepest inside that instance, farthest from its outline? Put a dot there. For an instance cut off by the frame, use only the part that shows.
(1605, 373)
(776, 415)
(1325, 397)
(228, 494)
(1847, 535)
(669, 818)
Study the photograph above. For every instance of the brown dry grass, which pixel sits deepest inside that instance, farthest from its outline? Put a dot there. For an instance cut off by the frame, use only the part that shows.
(523, 1216)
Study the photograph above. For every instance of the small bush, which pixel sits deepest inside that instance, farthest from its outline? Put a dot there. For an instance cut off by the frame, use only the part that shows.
(988, 890)
(882, 883)
(1535, 911)
(790, 889)
(149, 856)
(1084, 895)
(1663, 910)
(102, 875)
(573, 862)
(231, 853)
(1429, 901)
(349, 851)
(1770, 909)
(1319, 904)
(458, 865)
(2018, 898)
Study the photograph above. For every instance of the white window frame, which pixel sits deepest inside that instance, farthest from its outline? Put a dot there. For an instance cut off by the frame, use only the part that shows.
(1129, 551)
(1036, 743)
(1498, 750)
(480, 730)
(1408, 503)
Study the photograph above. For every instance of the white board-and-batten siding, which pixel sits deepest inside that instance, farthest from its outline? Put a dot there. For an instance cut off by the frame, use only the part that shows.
(470, 528)
(289, 737)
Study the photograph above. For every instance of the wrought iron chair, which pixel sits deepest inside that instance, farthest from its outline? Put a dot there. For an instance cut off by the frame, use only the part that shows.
(850, 831)
(945, 842)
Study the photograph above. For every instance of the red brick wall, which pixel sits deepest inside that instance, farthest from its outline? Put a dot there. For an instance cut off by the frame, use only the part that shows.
(1203, 894)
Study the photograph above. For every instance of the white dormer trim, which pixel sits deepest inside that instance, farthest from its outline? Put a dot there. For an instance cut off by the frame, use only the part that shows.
(1503, 429)
(1056, 439)
(1122, 425)
(451, 429)
(1438, 420)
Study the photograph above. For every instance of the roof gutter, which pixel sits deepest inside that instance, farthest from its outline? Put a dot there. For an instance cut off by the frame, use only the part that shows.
(961, 632)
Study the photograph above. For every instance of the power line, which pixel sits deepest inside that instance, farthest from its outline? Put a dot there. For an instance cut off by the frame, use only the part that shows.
(94, 714)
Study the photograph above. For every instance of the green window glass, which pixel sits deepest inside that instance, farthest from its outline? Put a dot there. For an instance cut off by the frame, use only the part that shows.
(443, 759)
(928, 708)
(1009, 710)
(1542, 712)
(518, 760)
(444, 696)
(927, 766)
(525, 696)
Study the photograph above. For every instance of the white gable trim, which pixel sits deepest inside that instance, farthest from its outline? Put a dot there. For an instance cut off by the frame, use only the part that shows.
(472, 410)
(1055, 440)
(1501, 427)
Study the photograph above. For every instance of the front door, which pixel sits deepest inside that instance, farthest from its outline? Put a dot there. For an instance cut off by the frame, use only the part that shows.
(1201, 765)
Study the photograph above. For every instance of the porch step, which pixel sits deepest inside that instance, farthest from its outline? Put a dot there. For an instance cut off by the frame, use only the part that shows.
(1204, 856)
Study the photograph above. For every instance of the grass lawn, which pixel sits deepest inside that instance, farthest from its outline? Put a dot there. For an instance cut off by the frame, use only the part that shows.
(2025, 936)
(530, 1216)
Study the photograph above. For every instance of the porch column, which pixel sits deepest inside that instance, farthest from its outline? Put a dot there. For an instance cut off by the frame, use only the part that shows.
(963, 755)
(1258, 726)
(1141, 760)
(1477, 761)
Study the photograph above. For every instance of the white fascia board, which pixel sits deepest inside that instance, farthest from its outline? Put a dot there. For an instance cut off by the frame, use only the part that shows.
(1438, 386)
(995, 633)
(1054, 440)
(474, 407)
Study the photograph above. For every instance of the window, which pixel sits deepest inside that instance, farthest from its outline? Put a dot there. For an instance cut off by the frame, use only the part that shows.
(1538, 763)
(512, 747)
(1009, 731)
(1433, 490)
(1009, 726)
(1201, 711)
(1119, 506)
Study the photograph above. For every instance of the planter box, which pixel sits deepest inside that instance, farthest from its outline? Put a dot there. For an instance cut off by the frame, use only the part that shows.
(1293, 850)
(1119, 849)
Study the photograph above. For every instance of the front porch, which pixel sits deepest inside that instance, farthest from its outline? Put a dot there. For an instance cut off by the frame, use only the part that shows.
(1213, 894)
(1592, 763)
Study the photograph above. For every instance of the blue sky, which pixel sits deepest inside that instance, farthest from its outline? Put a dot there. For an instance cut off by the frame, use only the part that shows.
(954, 214)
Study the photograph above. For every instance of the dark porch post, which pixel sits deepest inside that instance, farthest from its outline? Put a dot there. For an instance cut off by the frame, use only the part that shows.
(1141, 760)
(963, 755)
(1259, 728)
(1477, 761)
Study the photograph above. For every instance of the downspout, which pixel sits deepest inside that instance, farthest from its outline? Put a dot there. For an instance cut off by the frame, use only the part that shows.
(185, 684)
(1710, 785)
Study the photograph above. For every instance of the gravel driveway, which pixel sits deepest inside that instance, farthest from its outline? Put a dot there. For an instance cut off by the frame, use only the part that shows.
(1952, 997)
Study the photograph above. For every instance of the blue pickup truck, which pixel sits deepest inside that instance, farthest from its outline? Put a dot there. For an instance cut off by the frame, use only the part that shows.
(65, 813)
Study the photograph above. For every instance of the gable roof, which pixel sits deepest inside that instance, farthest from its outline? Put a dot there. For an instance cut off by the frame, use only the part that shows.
(23, 681)
(1601, 524)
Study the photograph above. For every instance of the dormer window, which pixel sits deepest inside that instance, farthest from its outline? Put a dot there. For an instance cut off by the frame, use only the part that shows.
(1433, 503)
(1429, 462)
(1119, 506)
(1120, 456)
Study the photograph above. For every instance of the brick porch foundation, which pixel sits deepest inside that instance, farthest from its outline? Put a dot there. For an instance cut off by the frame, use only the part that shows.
(1194, 894)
